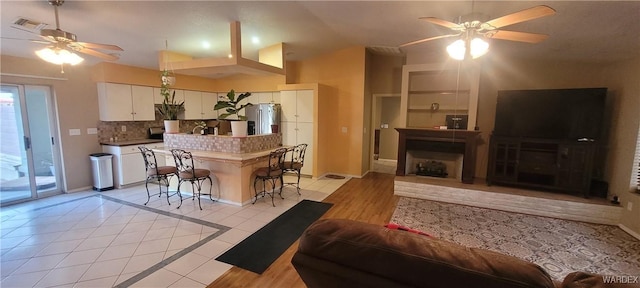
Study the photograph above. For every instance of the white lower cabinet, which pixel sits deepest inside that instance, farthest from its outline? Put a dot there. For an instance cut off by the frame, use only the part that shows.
(128, 164)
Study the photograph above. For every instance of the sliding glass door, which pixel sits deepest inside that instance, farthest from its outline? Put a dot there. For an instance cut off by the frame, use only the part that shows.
(28, 153)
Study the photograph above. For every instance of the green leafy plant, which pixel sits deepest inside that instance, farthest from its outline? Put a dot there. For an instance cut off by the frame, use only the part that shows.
(169, 108)
(230, 104)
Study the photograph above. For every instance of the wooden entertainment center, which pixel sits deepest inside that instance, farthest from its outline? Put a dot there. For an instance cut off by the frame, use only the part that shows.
(560, 165)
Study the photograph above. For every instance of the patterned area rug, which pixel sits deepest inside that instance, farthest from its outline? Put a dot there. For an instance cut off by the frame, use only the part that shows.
(559, 246)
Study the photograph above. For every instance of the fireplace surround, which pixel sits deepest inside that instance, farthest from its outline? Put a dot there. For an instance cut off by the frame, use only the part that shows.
(436, 140)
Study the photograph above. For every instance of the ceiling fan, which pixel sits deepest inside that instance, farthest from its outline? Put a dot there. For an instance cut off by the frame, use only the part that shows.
(62, 41)
(469, 31)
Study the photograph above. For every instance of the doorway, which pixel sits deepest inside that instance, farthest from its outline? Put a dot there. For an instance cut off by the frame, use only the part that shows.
(29, 154)
(385, 143)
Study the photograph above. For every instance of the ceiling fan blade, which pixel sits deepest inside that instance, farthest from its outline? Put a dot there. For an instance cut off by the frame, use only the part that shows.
(427, 39)
(104, 56)
(517, 36)
(441, 22)
(30, 40)
(521, 16)
(99, 46)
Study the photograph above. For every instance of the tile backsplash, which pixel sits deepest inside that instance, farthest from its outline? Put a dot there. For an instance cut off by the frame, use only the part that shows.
(135, 129)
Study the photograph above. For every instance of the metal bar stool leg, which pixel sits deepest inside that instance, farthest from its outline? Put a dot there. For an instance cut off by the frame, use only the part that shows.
(146, 185)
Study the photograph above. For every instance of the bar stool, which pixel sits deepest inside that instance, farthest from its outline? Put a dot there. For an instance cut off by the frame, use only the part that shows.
(294, 162)
(272, 172)
(155, 172)
(188, 172)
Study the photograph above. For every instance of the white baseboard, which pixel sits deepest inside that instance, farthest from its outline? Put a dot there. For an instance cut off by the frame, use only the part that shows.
(233, 202)
(628, 230)
(388, 160)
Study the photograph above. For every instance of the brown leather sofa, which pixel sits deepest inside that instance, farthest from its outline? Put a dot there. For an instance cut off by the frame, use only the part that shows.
(346, 253)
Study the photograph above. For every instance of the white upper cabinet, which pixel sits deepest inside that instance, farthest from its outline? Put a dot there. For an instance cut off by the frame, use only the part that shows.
(192, 105)
(267, 97)
(209, 100)
(297, 106)
(288, 105)
(304, 105)
(122, 102)
(199, 105)
(142, 101)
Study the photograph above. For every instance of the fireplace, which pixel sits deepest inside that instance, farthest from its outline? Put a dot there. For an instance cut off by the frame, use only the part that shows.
(454, 148)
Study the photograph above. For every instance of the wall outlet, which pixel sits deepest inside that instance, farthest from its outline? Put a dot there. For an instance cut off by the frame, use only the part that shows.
(74, 132)
(629, 205)
(344, 129)
(92, 131)
(123, 128)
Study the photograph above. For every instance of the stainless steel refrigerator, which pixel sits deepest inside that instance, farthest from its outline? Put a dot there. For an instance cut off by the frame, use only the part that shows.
(263, 116)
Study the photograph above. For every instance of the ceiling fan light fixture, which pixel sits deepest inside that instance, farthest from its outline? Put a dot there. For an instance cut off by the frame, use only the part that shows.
(457, 49)
(59, 56)
(479, 47)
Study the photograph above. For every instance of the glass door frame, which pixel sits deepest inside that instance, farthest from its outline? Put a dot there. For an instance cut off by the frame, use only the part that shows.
(27, 137)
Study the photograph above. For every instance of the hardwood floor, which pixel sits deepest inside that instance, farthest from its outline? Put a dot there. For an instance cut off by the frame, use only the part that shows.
(369, 199)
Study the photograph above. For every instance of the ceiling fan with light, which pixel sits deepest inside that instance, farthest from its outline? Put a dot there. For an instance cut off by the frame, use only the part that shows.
(472, 32)
(63, 44)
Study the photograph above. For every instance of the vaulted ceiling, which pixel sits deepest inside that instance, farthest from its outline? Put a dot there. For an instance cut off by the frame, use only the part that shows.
(588, 31)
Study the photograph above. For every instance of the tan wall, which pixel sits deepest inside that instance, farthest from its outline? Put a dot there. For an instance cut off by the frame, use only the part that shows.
(622, 80)
(77, 108)
(386, 74)
(343, 72)
(116, 73)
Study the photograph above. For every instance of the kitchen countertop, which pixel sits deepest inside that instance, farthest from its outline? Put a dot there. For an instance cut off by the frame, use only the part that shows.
(132, 142)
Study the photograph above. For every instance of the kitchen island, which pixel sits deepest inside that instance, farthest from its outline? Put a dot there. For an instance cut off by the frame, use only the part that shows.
(231, 160)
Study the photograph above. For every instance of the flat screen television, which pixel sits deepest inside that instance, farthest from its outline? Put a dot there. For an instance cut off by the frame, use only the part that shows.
(571, 114)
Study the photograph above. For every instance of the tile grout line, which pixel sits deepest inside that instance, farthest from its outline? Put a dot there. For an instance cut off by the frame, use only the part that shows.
(167, 261)
(221, 230)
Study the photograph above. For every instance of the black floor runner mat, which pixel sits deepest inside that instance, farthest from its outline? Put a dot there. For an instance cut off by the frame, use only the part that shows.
(258, 251)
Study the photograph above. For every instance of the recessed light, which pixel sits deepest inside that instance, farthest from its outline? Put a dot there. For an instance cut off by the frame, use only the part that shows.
(206, 44)
(255, 40)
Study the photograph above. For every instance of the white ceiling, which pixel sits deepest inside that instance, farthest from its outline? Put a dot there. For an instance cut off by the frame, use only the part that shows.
(589, 31)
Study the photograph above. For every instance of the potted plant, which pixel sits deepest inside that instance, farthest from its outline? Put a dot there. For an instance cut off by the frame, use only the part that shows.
(169, 108)
(230, 104)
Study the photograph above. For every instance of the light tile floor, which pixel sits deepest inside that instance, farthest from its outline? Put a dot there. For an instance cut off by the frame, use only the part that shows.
(105, 239)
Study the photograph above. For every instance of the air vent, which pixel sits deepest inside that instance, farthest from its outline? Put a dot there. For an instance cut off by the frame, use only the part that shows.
(382, 50)
(28, 25)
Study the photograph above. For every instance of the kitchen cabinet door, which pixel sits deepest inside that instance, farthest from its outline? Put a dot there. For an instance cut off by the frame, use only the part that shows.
(132, 168)
(304, 105)
(209, 100)
(288, 130)
(142, 102)
(288, 105)
(114, 102)
(192, 105)
(157, 97)
(304, 135)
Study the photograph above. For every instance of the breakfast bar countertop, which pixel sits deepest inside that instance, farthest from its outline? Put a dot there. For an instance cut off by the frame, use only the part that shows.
(221, 156)
(132, 142)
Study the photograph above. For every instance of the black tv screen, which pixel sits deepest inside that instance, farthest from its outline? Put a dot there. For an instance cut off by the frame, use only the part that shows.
(570, 114)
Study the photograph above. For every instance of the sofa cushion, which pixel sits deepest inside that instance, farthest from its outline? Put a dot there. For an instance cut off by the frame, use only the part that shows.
(406, 259)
